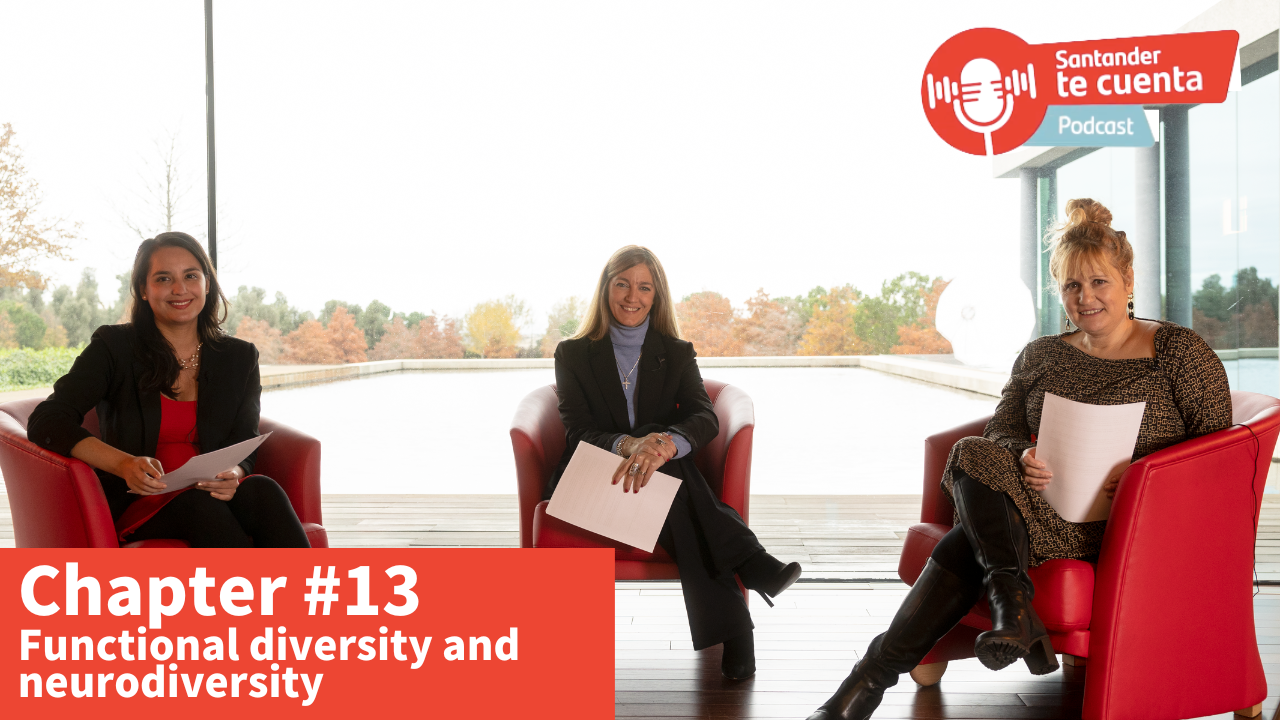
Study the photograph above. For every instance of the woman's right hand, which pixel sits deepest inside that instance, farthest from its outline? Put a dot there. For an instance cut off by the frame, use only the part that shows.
(659, 444)
(142, 474)
(1035, 472)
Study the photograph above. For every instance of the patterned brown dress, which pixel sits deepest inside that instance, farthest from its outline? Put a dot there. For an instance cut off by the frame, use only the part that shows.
(1184, 386)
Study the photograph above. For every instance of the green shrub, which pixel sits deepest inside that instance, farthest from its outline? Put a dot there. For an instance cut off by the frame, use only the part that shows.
(24, 368)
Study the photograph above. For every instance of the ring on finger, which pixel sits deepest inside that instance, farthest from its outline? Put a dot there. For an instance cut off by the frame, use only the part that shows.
(635, 468)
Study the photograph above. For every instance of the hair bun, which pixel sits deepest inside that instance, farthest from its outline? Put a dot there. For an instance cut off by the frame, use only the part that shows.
(1082, 210)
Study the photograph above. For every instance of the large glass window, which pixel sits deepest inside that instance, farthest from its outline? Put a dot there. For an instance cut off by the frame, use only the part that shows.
(1235, 219)
(102, 119)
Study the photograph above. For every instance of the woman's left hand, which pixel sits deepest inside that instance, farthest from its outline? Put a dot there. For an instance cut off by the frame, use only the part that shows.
(1112, 483)
(635, 471)
(224, 484)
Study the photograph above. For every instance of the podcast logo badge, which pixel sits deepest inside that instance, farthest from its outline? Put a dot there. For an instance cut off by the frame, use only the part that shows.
(986, 91)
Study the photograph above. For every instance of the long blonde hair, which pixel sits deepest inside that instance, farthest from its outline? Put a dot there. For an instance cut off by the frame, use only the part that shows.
(1087, 234)
(662, 315)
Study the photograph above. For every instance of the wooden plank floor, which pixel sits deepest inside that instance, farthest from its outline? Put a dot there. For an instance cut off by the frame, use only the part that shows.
(840, 537)
(806, 644)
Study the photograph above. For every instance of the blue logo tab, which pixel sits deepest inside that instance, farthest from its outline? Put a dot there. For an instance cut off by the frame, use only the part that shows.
(1093, 126)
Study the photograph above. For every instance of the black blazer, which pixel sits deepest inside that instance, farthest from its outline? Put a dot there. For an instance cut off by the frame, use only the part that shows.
(105, 376)
(669, 393)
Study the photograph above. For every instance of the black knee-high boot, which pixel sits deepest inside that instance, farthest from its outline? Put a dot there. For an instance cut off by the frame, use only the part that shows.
(998, 534)
(937, 601)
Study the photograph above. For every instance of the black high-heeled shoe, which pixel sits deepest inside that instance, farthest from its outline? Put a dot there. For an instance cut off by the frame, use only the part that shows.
(767, 575)
(739, 659)
(998, 535)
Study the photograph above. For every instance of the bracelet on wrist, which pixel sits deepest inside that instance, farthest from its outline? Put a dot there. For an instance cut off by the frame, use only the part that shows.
(617, 448)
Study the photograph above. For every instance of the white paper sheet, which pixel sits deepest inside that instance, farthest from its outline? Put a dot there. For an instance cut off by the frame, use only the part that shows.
(586, 497)
(204, 467)
(1083, 445)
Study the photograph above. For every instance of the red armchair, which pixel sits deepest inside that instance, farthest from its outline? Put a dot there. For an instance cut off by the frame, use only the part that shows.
(537, 437)
(1173, 579)
(58, 501)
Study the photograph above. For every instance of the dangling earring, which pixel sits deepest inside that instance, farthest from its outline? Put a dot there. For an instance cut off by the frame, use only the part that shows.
(1067, 321)
(1130, 306)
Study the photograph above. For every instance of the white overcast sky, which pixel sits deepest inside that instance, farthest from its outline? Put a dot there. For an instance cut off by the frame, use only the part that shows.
(436, 154)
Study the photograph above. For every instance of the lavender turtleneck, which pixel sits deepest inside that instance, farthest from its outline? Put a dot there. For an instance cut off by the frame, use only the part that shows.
(627, 344)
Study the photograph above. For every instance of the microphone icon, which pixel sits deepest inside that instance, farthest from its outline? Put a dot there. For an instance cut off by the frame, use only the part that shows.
(983, 99)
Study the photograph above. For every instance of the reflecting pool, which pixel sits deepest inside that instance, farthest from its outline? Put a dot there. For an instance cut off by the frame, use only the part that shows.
(818, 430)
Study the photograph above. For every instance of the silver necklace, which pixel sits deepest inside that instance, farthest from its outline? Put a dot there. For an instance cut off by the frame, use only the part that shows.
(626, 379)
(192, 362)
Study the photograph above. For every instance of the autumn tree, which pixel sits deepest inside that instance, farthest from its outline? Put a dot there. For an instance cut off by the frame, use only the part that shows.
(163, 193)
(396, 342)
(901, 303)
(27, 236)
(439, 339)
(267, 339)
(706, 320)
(491, 328)
(427, 339)
(768, 328)
(565, 319)
(832, 330)
(922, 337)
(310, 345)
(348, 340)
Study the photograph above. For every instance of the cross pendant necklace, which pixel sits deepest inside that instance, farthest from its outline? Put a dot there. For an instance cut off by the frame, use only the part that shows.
(626, 378)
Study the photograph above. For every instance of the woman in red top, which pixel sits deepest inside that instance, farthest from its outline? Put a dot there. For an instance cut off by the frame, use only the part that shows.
(168, 386)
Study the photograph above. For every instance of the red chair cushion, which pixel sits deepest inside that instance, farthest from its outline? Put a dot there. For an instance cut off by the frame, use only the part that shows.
(1064, 588)
(550, 532)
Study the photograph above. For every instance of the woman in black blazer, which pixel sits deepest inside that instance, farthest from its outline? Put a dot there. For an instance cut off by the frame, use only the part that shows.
(145, 378)
(628, 384)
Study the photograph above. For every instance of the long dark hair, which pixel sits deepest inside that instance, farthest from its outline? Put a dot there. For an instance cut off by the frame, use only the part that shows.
(160, 366)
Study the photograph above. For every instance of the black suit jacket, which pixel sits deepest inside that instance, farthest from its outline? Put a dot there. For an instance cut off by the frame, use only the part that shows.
(106, 375)
(669, 393)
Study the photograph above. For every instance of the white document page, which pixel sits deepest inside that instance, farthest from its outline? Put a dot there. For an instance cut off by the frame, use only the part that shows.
(586, 497)
(204, 467)
(1083, 445)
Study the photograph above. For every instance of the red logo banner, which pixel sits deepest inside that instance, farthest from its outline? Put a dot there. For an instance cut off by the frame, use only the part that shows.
(985, 91)
(307, 633)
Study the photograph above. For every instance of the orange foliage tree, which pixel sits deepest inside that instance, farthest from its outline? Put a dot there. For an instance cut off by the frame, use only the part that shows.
(267, 339)
(833, 328)
(428, 339)
(706, 320)
(348, 340)
(922, 336)
(310, 345)
(26, 237)
(768, 328)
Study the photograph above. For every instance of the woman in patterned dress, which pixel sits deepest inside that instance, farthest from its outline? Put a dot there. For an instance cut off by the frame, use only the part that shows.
(1004, 525)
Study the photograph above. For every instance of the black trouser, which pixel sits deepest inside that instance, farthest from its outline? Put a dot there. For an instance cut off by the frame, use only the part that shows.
(258, 515)
(708, 540)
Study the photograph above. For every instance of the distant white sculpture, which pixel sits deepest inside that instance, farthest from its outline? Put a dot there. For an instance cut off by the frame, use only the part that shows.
(988, 319)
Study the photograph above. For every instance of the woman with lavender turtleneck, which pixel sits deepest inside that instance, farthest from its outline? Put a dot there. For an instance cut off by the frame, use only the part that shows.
(628, 383)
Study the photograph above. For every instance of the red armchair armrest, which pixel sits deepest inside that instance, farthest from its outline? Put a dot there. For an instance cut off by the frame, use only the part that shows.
(1174, 577)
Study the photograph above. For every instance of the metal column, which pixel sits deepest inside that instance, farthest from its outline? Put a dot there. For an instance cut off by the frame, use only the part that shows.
(1177, 214)
(1049, 301)
(1146, 233)
(1029, 236)
(209, 134)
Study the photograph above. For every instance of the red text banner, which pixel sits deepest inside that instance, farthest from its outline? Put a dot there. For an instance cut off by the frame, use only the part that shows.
(985, 91)
(307, 633)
